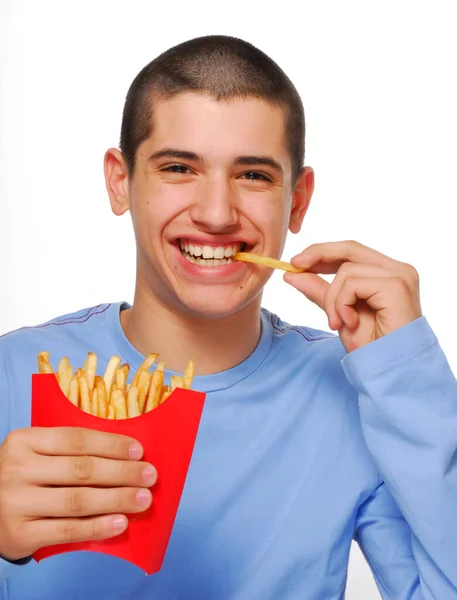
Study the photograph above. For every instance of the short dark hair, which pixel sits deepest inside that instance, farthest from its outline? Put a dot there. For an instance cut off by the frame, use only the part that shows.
(222, 67)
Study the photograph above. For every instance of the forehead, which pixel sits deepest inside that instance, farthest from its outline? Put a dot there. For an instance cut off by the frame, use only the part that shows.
(219, 128)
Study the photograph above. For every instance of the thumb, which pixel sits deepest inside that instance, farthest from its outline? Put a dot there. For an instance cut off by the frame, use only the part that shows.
(311, 285)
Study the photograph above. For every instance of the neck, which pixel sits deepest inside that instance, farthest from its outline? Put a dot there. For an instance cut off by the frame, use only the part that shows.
(214, 344)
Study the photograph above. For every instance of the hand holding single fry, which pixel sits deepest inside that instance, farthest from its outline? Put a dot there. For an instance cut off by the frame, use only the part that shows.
(68, 484)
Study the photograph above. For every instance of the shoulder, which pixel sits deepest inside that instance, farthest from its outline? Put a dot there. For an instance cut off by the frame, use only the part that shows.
(58, 334)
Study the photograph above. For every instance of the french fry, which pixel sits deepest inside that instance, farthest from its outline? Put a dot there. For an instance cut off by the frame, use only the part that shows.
(132, 402)
(44, 366)
(101, 396)
(84, 392)
(188, 376)
(112, 390)
(166, 392)
(90, 368)
(110, 414)
(155, 389)
(267, 262)
(110, 372)
(94, 403)
(63, 366)
(121, 378)
(145, 366)
(175, 381)
(119, 404)
(144, 383)
(73, 392)
(65, 378)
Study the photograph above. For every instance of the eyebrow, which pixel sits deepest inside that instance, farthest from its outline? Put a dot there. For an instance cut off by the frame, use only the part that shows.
(241, 160)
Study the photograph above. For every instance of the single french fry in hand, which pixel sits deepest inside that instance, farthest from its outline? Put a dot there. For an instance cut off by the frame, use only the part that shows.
(73, 392)
(84, 392)
(110, 414)
(110, 371)
(119, 404)
(144, 383)
(188, 376)
(94, 403)
(145, 366)
(132, 402)
(44, 366)
(273, 263)
(101, 396)
(90, 369)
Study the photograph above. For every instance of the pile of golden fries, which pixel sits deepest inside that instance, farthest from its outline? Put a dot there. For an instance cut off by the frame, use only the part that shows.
(110, 396)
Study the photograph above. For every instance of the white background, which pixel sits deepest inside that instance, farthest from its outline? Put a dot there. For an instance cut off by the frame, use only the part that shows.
(378, 84)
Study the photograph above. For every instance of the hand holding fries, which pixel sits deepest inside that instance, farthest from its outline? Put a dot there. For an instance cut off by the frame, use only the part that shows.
(110, 396)
(68, 484)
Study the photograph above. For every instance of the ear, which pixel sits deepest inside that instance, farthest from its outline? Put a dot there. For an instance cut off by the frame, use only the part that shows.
(117, 181)
(301, 198)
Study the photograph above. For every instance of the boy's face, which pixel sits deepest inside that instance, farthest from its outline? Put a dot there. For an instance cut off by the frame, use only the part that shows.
(213, 178)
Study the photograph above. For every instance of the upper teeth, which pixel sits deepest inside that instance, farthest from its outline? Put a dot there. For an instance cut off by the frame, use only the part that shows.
(219, 252)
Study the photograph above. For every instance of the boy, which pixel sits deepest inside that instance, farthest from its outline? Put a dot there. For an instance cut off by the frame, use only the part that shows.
(307, 439)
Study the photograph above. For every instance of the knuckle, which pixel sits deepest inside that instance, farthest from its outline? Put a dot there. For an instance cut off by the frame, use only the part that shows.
(15, 440)
(83, 468)
(70, 531)
(400, 283)
(96, 530)
(77, 439)
(129, 475)
(74, 501)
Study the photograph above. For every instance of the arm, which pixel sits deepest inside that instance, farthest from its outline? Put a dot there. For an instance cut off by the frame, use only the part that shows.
(6, 567)
(408, 408)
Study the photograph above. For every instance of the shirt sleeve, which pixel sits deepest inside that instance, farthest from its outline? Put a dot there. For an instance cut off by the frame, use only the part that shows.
(408, 408)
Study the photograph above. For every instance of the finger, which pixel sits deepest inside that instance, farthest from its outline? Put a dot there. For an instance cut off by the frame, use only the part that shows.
(355, 288)
(330, 255)
(348, 316)
(85, 501)
(47, 532)
(91, 471)
(312, 286)
(78, 441)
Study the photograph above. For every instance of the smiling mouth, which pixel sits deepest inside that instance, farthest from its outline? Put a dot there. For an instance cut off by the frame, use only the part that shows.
(209, 256)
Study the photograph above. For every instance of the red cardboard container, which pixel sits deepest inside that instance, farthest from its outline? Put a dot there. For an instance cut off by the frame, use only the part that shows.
(167, 435)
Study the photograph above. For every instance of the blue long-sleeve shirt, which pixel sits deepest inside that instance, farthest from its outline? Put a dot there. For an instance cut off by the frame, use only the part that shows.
(301, 449)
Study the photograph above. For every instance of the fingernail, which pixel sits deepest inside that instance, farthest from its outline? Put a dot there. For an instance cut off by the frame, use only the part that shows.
(149, 475)
(135, 451)
(143, 497)
(119, 523)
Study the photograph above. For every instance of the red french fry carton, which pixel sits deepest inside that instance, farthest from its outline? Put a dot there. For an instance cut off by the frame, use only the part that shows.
(167, 435)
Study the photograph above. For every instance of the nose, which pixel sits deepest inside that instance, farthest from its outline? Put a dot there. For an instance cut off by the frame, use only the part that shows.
(215, 208)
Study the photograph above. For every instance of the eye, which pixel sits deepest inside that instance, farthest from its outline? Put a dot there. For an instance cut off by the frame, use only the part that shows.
(255, 176)
(177, 169)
